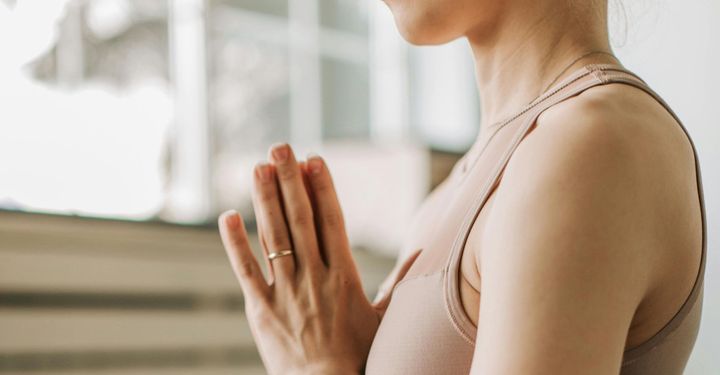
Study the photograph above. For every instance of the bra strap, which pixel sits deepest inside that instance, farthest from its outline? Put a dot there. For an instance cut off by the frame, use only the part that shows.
(589, 76)
(568, 88)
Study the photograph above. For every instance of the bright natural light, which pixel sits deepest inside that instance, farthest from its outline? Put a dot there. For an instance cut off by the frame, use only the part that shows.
(85, 147)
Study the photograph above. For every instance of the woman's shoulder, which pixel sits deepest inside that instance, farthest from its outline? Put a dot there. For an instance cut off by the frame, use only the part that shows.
(613, 164)
(615, 143)
(614, 126)
(619, 116)
(610, 172)
(591, 225)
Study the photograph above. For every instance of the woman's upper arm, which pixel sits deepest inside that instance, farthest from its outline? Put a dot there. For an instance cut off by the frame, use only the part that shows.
(562, 258)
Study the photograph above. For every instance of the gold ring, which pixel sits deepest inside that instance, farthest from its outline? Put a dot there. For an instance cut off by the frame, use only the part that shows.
(279, 254)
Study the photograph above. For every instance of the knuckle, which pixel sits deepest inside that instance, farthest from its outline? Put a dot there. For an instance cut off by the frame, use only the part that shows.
(259, 312)
(246, 268)
(322, 186)
(287, 173)
(312, 281)
(339, 279)
(278, 238)
(238, 241)
(314, 272)
(267, 195)
(261, 302)
(332, 219)
(300, 217)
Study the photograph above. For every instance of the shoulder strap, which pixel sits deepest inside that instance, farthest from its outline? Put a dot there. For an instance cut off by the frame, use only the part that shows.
(587, 77)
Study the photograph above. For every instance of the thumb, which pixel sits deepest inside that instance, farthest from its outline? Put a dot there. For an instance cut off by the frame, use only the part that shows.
(382, 299)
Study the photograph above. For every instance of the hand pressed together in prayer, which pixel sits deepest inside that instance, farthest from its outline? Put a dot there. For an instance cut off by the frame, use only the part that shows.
(310, 315)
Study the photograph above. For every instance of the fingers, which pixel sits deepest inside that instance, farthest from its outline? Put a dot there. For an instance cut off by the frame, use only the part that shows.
(306, 182)
(329, 216)
(244, 264)
(263, 244)
(297, 207)
(270, 216)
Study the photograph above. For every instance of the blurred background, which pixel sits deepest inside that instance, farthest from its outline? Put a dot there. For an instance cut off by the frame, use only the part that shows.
(126, 126)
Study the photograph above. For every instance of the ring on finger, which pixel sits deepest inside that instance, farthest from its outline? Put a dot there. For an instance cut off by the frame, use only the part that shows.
(278, 254)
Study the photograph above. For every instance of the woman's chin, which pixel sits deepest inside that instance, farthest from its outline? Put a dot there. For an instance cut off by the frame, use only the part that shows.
(423, 35)
(424, 27)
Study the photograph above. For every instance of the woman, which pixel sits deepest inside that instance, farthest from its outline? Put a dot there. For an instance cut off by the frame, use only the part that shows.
(569, 239)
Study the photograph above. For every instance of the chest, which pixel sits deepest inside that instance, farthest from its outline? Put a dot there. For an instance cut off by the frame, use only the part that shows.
(420, 310)
(448, 221)
(451, 223)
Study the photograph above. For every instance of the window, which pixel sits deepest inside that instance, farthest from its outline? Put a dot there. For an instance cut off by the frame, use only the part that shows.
(158, 109)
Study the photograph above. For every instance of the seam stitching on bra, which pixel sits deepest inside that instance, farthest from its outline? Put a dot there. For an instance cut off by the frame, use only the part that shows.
(588, 69)
(403, 281)
(459, 319)
(453, 317)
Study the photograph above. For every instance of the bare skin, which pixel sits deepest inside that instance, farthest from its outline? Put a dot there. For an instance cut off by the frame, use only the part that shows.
(603, 189)
(312, 315)
(608, 209)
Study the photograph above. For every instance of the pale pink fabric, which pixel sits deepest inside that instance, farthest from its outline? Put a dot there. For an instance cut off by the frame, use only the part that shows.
(425, 329)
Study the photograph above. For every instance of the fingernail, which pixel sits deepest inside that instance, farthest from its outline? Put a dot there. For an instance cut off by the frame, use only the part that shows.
(314, 163)
(280, 152)
(232, 219)
(263, 171)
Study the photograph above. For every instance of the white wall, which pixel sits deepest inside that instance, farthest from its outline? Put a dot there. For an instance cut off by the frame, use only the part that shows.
(675, 46)
(444, 100)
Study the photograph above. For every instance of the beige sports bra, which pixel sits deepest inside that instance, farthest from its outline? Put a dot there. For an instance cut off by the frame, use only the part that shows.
(426, 330)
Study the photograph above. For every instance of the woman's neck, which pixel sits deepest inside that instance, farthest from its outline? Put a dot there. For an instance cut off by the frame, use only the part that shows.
(527, 50)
